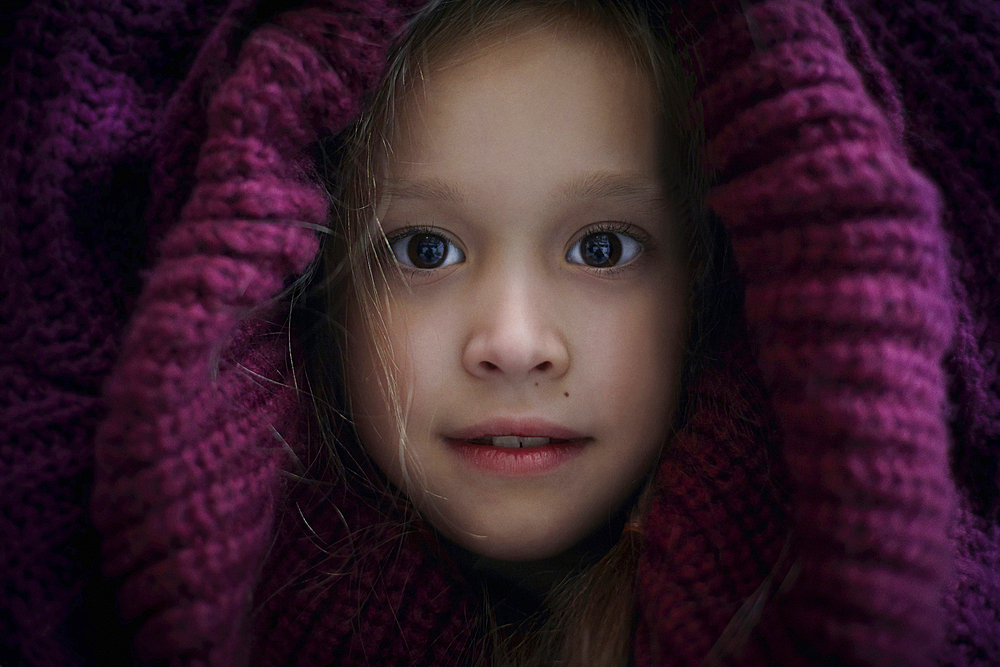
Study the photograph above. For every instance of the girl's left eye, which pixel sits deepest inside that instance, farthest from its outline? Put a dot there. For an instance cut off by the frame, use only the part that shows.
(604, 249)
(425, 250)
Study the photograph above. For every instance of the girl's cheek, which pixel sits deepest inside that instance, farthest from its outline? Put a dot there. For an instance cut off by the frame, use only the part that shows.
(420, 335)
(368, 384)
(404, 358)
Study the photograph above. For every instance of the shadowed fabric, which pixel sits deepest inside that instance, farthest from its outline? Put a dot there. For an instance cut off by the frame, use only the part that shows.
(837, 481)
(946, 60)
(82, 93)
(841, 252)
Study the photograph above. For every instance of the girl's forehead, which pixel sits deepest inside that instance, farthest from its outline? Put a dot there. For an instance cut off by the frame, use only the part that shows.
(521, 54)
(564, 85)
(521, 31)
(536, 129)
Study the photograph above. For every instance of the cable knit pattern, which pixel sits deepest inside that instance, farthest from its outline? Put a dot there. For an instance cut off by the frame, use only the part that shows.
(718, 520)
(358, 591)
(81, 98)
(946, 57)
(839, 243)
(187, 457)
(189, 119)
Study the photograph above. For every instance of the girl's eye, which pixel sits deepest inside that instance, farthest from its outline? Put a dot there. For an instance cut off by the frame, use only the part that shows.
(604, 249)
(425, 250)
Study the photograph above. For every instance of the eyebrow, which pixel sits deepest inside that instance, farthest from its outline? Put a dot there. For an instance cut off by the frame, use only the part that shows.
(612, 185)
(599, 185)
(431, 189)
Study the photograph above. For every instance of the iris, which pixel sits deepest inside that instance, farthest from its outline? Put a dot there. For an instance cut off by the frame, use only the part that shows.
(427, 251)
(601, 249)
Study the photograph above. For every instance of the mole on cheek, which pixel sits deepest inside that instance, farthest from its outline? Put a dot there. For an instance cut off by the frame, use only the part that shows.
(566, 394)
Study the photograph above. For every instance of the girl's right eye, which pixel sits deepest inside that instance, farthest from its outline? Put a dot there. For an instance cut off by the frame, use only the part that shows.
(425, 250)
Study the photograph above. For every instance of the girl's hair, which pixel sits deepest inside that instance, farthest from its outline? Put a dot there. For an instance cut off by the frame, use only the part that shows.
(592, 613)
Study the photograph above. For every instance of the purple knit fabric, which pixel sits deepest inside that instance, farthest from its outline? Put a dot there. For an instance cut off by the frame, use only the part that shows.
(182, 126)
(946, 59)
(844, 264)
(178, 460)
(82, 94)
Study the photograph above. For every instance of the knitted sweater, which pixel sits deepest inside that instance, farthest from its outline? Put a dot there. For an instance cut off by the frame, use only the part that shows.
(157, 193)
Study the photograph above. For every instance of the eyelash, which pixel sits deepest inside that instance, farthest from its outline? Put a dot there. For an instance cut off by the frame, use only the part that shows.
(614, 227)
(392, 237)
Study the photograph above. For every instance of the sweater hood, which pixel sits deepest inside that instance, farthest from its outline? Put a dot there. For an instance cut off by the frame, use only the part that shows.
(831, 385)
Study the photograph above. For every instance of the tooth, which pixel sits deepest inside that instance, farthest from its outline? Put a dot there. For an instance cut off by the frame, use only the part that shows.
(518, 441)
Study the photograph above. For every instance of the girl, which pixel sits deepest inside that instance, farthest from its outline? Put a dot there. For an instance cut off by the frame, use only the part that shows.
(519, 412)
(522, 216)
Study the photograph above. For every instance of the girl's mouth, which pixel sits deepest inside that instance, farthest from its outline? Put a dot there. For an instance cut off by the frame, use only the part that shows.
(516, 441)
(516, 433)
(516, 447)
(516, 455)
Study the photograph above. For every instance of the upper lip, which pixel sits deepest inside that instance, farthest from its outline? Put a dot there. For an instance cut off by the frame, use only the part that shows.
(524, 426)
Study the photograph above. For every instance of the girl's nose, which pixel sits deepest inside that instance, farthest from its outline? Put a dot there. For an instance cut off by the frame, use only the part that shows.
(516, 338)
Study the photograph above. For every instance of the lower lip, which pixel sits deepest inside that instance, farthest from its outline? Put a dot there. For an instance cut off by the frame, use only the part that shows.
(518, 461)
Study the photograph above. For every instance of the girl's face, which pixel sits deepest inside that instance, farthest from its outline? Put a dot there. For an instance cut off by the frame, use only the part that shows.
(540, 298)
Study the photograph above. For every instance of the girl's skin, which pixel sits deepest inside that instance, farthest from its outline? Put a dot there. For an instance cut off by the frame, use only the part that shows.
(524, 157)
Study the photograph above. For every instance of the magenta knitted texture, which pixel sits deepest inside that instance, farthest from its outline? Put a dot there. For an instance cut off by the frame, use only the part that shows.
(718, 522)
(837, 236)
(839, 242)
(80, 102)
(946, 58)
(358, 590)
(187, 457)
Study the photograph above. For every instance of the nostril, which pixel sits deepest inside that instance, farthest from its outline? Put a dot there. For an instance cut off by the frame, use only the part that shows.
(488, 366)
(545, 366)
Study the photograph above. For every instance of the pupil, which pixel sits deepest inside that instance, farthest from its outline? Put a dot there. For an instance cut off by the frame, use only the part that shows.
(602, 249)
(427, 251)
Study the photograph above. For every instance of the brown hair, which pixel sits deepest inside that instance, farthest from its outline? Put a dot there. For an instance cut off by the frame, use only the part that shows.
(592, 613)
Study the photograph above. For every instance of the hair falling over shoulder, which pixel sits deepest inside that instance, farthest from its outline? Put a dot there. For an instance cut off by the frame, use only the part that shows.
(590, 619)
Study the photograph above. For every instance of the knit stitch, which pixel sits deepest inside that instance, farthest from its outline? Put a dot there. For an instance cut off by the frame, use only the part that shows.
(179, 131)
(81, 98)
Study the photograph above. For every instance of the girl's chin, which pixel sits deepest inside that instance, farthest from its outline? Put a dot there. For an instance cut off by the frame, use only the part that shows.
(520, 548)
(517, 537)
(514, 548)
(512, 551)
(532, 567)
